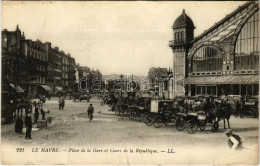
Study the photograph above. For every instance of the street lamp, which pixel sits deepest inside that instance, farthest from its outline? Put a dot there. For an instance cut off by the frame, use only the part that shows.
(88, 82)
(121, 78)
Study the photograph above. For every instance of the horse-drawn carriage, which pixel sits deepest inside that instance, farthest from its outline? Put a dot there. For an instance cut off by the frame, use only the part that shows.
(161, 112)
(136, 112)
(80, 97)
(192, 121)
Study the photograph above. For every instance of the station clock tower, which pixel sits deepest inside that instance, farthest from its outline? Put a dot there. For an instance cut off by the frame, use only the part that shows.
(183, 33)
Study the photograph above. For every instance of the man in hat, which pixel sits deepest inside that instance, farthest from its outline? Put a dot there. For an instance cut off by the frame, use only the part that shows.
(28, 125)
(90, 112)
(234, 141)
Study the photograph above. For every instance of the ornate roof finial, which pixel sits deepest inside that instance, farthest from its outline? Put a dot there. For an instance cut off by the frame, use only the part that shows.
(17, 27)
(183, 10)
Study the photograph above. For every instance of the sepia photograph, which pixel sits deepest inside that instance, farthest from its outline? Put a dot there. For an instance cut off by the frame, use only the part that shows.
(130, 83)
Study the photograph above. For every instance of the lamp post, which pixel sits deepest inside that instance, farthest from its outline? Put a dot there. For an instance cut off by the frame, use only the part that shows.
(88, 83)
(121, 79)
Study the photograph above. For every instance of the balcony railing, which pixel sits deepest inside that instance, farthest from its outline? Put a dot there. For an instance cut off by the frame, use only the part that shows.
(57, 70)
(177, 42)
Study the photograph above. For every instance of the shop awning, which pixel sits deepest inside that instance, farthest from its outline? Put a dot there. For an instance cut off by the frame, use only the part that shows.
(58, 88)
(214, 80)
(46, 88)
(17, 88)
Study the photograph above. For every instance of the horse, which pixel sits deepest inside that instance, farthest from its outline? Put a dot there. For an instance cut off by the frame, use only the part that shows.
(222, 112)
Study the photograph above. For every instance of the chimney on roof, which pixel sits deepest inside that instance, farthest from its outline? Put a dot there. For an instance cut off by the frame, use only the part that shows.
(23, 37)
(56, 48)
(17, 27)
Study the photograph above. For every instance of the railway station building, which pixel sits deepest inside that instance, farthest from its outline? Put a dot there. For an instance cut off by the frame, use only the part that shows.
(223, 60)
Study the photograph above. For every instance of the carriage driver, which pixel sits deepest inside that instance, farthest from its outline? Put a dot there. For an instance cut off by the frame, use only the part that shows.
(208, 108)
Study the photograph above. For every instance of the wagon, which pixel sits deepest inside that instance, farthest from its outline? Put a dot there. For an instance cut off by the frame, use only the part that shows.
(136, 113)
(190, 121)
(160, 113)
(193, 121)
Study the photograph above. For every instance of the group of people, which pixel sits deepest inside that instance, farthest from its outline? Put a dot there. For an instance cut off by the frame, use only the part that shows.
(37, 105)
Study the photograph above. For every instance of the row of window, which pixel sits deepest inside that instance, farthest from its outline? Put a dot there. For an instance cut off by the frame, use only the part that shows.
(246, 51)
(64, 75)
(66, 83)
(179, 36)
(207, 59)
(37, 45)
(37, 55)
(41, 68)
(65, 61)
(65, 68)
(39, 79)
(236, 89)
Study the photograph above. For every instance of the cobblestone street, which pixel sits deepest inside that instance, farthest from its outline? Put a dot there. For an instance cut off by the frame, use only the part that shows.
(71, 128)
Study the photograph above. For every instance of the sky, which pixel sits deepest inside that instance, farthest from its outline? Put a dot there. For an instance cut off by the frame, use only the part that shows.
(114, 37)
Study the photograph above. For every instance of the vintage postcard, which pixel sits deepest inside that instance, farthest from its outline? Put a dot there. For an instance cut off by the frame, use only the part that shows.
(130, 83)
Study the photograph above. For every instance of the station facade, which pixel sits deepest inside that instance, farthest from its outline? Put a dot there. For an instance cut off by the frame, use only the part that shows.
(223, 60)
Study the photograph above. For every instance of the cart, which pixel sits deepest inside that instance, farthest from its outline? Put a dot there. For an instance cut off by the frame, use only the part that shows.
(160, 113)
(192, 121)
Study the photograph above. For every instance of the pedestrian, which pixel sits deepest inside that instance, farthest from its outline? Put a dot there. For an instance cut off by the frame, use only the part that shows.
(62, 103)
(90, 112)
(234, 141)
(19, 125)
(28, 125)
(36, 114)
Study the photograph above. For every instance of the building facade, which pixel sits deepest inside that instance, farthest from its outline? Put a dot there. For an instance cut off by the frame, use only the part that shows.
(37, 52)
(161, 82)
(55, 69)
(71, 74)
(35, 67)
(14, 61)
(223, 60)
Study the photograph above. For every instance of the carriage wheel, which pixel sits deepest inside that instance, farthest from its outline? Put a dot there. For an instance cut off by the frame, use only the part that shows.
(202, 125)
(149, 121)
(131, 115)
(144, 116)
(180, 124)
(191, 126)
(121, 112)
(126, 113)
(158, 122)
(170, 120)
(138, 117)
